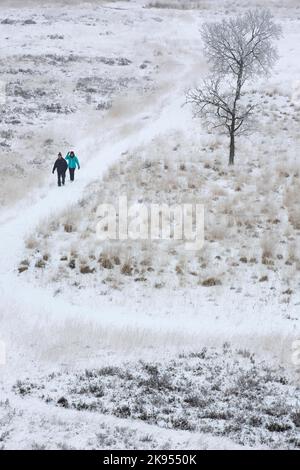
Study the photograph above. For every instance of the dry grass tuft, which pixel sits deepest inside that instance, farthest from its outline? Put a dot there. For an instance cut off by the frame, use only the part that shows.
(210, 282)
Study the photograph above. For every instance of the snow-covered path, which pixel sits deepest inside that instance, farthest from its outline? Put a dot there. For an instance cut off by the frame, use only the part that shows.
(32, 302)
(42, 332)
(186, 320)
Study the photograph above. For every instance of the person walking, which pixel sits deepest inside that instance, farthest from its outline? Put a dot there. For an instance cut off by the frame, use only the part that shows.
(72, 163)
(60, 166)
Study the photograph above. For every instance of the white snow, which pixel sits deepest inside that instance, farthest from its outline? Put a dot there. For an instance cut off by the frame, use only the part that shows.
(45, 331)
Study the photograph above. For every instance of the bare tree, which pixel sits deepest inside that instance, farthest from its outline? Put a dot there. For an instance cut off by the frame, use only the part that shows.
(238, 50)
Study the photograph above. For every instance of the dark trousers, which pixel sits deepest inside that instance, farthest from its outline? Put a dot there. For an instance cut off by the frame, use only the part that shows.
(61, 178)
(72, 172)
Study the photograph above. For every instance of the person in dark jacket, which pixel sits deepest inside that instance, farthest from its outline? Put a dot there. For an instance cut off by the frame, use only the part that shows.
(72, 163)
(61, 167)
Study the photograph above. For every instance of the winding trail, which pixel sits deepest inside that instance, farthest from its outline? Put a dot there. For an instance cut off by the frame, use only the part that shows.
(45, 333)
(22, 302)
(35, 331)
(30, 311)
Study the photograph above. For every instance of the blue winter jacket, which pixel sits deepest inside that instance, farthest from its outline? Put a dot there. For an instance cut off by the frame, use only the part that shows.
(72, 161)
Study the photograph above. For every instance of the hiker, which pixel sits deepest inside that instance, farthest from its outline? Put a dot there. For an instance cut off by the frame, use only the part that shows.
(61, 166)
(72, 163)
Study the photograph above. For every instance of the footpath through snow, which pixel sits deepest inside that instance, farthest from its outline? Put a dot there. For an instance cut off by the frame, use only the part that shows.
(30, 313)
(44, 332)
(193, 322)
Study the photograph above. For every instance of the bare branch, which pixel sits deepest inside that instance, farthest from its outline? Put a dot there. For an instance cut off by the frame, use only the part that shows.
(238, 50)
(245, 42)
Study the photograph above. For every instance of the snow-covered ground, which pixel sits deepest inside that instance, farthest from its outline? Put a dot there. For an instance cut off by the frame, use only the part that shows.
(154, 359)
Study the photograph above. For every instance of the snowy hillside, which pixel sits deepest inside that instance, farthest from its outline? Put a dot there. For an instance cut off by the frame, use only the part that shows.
(142, 343)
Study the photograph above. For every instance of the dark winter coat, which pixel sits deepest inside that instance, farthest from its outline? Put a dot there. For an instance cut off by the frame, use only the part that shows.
(60, 165)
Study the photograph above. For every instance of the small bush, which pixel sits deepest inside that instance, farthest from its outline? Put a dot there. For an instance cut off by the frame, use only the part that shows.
(40, 264)
(105, 262)
(275, 426)
(63, 402)
(211, 281)
(122, 411)
(68, 228)
(21, 269)
(127, 269)
(72, 264)
(85, 269)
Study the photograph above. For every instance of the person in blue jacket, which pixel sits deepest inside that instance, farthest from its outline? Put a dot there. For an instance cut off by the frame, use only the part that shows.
(73, 162)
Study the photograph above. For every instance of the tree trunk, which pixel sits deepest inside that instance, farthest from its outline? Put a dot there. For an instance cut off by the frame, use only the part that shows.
(232, 148)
